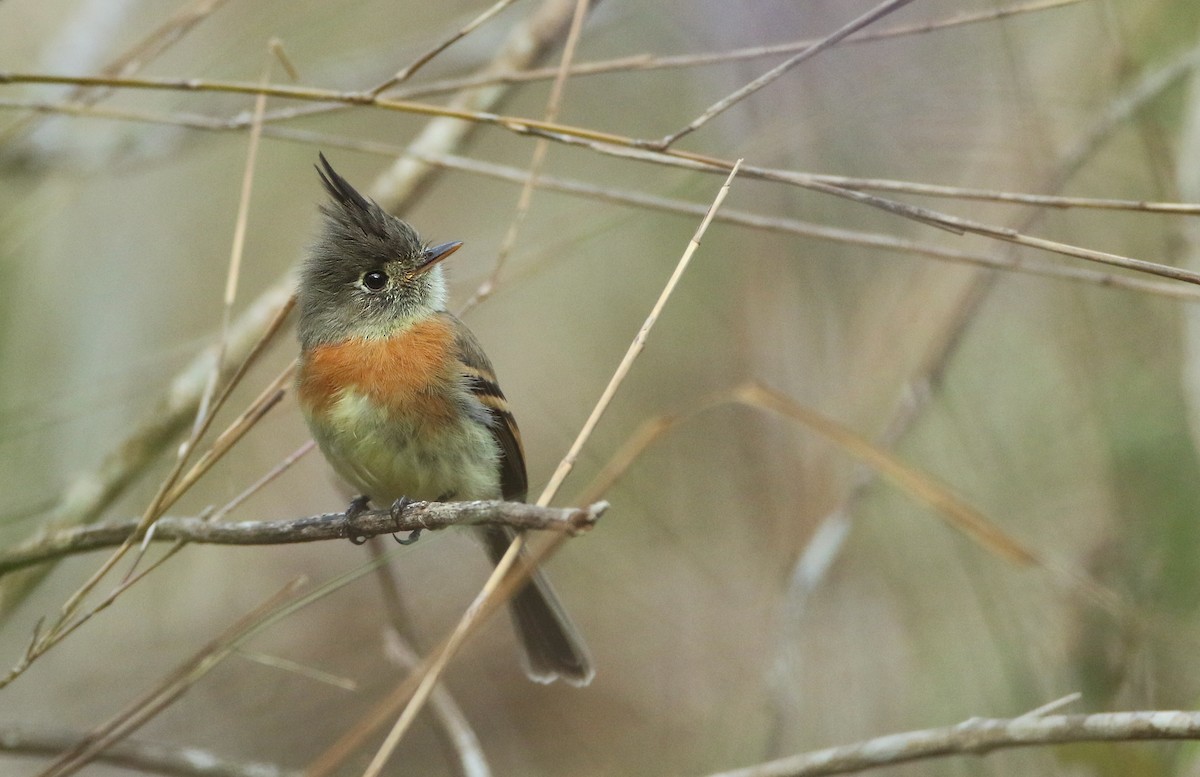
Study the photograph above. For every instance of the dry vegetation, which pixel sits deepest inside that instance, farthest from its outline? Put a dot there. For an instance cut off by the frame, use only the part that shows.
(884, 430)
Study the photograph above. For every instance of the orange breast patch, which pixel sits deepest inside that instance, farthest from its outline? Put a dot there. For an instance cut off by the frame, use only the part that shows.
(408, 373)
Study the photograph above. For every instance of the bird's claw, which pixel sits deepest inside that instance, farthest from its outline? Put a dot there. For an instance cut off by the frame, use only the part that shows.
(358, 505)
(398, 508)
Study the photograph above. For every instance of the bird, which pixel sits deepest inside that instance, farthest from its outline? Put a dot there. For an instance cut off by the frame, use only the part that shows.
(402, 400)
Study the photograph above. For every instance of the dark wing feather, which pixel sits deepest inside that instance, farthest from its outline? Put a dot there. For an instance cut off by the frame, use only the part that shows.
(552, 645)
(481, 379)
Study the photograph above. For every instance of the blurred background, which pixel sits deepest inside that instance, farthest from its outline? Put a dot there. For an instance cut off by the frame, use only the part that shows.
(751, 593)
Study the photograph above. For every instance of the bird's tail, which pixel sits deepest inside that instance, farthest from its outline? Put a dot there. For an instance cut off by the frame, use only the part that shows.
(553, 648)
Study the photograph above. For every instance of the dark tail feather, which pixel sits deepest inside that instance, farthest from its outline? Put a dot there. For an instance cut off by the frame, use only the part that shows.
(553, 648)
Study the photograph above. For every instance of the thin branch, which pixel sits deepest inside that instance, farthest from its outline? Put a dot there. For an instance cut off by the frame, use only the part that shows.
(648, 62)
(92, 492)
(834, 234)
(792, 226)
(176, 683)
(198, 121)
(142, 756)
(410, 70)
(620, 146)
(207, 123)
(461, 739)
(635, 348)
(525, 199)
(525, 46)
(330, 526)
(512, 570)
(947, 222)
(727, 102)
(980, 736)
(134, 59)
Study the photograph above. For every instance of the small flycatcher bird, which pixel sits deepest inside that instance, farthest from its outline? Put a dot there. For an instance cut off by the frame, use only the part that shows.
(402, 400)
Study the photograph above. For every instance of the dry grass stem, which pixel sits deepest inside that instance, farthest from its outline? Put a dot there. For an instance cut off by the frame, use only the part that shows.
(553, 104)
(489, 594)
(302, 670)
(142, 53)
(527, 43)
(451, 721)
(629, 148)
(235, 262)
(147, 757)
(420, 62)
(140, 711)
(263, 481)
(649, 62)
(635, 349)
(769, 77)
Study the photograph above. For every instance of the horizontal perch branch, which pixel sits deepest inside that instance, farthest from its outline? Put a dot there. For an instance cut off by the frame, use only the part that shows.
(979, 736)
(331, 526)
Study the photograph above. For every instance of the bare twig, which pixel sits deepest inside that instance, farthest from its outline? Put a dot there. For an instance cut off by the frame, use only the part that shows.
(177, 682)
(837, 234)
(90, 494)
(979, 736)
(330, 526)
(142, 756)
(648, 62)
(449, 717)
(510, 572)
(527, 43)
(134, 59)
(410, 70)
(619, 146)
(635, 349)
(791, 226)
(1158, 80)
(1147, 89)
(830, 40)
(553, 104)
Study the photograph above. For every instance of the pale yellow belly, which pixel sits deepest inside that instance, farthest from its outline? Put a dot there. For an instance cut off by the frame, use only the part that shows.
(387, 459)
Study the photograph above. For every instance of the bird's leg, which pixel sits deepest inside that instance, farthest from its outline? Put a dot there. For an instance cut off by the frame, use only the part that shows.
(398, 508)
(358, 505)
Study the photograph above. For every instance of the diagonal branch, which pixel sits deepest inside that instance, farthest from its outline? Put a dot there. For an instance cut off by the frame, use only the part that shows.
(93, 492)
(727, 102)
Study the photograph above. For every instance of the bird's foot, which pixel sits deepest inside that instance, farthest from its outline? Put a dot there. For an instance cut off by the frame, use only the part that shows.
(357, 507)
(397, 509)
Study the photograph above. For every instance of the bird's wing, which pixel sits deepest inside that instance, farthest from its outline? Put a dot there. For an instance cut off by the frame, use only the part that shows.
(481, 380)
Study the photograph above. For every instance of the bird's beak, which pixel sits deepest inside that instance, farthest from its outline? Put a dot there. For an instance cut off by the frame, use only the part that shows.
(435, 254)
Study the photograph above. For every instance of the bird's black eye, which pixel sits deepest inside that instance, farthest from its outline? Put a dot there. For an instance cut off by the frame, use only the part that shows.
(375, 280)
